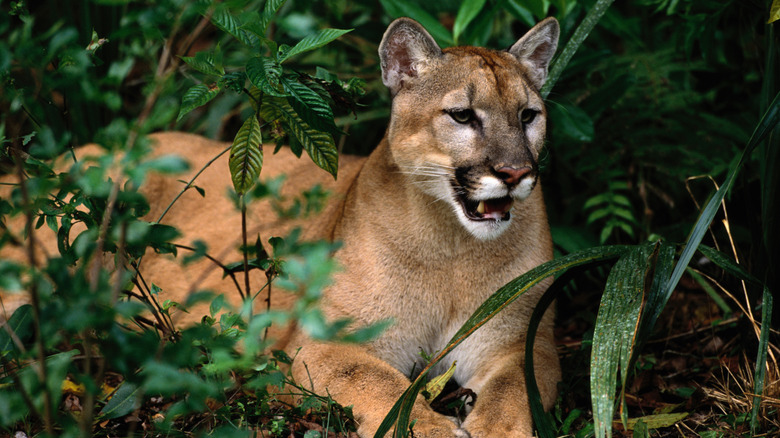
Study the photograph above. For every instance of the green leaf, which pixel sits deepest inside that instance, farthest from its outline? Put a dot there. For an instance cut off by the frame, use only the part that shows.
(315, 41)
(21, 325)
(408, 8)
(319, 145)
(209, 63)
(264, 73)
(774, 12)
(196, 96)
(521, 12)
(223, 19)
(615, 333)
(436, 385)
(124, 401)
(269, 11)
(246, 155)
(656, 421)
(466, 13)
(312, 108)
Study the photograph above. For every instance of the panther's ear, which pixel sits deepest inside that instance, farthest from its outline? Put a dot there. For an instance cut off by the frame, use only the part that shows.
(404, 52)
(536, 49)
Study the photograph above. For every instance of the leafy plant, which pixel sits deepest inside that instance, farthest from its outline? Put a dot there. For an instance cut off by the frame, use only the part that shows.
(77, 323)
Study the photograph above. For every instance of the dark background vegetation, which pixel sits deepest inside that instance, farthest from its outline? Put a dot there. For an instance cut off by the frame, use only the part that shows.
(651, 112)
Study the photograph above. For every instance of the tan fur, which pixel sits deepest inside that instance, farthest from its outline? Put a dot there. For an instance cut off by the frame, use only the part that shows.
(408, 252)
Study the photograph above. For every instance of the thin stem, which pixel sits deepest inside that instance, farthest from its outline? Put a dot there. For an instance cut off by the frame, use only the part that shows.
(190, 183)
(218, 263)
(35, 299)
(246, 248)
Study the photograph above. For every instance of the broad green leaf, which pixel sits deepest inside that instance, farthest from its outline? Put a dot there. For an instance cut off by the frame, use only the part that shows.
(223, 19)
(246, 155)
(312, 108)
(539, 7)
(123, 401)
(466, 13)
(205, 62)
(436, 385)
(196, 96)
(21, 324)
(774, 12)
(264, 73)
(409, 8)
(269, 11)
(400, 412)
(315, 41)
(615, 333)
(319, 145)
(520, 11)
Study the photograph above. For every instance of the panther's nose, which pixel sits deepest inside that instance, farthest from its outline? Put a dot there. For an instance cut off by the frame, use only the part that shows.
(512, 175)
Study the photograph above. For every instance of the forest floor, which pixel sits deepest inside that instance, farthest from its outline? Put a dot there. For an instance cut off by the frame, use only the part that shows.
(694, 378)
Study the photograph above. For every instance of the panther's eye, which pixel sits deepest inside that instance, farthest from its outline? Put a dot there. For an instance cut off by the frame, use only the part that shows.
(462, 116)
(528, 115)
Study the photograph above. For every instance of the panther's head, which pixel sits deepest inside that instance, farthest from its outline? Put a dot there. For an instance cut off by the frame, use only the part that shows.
(468, 123)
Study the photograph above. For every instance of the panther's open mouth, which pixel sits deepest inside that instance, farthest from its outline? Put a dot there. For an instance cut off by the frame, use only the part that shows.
(488, 209)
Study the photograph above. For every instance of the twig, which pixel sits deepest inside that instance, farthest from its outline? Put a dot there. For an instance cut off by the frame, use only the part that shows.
(35, 299)
(246, 248)
(218, 263)
(190, 183)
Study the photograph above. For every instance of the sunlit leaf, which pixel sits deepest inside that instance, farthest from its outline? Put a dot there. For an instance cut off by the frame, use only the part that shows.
(436, 385)
(774, 12)
(656, 421)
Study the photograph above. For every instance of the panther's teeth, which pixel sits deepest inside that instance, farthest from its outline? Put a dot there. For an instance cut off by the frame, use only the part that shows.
(481, 207)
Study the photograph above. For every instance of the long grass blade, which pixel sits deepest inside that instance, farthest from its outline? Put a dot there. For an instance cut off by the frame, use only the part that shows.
(616, 329)
(763, 346)
(767, 124)
(583, 30)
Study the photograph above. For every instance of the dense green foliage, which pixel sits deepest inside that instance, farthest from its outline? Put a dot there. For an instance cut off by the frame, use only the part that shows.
(661, 92)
